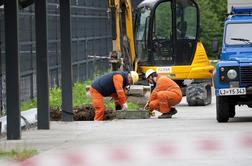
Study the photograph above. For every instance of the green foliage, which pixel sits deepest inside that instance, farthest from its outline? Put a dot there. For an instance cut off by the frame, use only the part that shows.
(88, 82)
(79, 98)
(28, 105)
(212, 14)
(163, 18)
(111, 105)
(133, 106)
(18, 155)
(55, 98)
(79, 95)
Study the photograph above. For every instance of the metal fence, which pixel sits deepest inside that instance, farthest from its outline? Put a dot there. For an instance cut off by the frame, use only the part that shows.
(91, 42)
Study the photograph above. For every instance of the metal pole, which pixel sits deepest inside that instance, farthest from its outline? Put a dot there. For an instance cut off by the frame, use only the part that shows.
(12, 69)
(66, 62)
(1, 65)
(42, 64)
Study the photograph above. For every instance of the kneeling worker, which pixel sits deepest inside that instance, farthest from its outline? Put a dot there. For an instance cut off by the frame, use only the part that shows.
(112, 84)
(164, 96)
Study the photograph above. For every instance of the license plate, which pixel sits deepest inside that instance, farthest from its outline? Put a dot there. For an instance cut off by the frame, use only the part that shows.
(232, 91)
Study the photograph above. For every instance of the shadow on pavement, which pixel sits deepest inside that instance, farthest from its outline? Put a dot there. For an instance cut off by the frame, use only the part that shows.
(240, 119)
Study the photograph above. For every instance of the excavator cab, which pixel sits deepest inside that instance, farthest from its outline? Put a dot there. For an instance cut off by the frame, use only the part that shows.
(167, 41)
(166, 32)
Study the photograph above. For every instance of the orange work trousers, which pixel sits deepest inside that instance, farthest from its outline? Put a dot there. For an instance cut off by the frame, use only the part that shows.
(165, 100)
(98, 103)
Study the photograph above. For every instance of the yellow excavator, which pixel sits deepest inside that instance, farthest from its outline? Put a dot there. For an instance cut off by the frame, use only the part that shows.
(123, 54)
(165, 37)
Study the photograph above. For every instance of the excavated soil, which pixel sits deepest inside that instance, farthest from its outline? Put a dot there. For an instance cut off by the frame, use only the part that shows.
(83, 113)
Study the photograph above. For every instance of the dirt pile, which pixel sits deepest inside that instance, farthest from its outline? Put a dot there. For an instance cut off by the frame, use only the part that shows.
(83, 113)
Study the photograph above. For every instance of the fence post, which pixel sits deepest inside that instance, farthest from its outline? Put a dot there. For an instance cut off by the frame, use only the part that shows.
(12, 69)
(42, 64)
(66, 61)
(1, 74)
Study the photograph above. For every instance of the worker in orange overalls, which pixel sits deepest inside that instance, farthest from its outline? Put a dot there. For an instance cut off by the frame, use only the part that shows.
(164, 96)
(112, 84)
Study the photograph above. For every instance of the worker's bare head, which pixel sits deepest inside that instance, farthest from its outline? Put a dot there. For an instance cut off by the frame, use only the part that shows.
(133, 77)
(151, 76)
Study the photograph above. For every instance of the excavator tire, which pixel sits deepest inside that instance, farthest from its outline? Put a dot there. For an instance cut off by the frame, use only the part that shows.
(199, 94)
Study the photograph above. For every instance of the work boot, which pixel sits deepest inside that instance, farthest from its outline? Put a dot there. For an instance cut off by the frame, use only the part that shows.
(173, 111)
(165, 115)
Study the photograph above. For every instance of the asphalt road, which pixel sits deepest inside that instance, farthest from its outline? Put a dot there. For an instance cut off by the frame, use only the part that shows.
(192, 136)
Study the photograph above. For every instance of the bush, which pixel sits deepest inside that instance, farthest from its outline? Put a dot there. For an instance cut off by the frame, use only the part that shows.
(79, 98)
(55, 98)
(79, 95)
(28, 105)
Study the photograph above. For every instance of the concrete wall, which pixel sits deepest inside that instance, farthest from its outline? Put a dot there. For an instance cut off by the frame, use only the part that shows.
(244, 3)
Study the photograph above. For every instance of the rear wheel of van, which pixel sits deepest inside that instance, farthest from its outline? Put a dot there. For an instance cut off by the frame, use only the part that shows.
(222, 108)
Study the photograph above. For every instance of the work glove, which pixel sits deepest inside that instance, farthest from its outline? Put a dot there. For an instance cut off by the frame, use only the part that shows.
(125, 107)
(147, 107)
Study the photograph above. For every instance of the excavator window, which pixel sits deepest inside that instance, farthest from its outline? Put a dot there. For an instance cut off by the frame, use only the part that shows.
(186, 22)
(166, 32)
(142, 29)
(162, 34)
(186, 32)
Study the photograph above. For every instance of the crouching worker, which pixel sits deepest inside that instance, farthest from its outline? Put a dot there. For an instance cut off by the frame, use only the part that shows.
(112, 84)
(164, 96)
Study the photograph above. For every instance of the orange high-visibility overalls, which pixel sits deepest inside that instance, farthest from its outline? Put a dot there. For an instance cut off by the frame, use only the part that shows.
(165, 95)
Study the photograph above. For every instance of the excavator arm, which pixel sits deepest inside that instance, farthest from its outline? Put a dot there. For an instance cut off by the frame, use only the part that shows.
(123, 55)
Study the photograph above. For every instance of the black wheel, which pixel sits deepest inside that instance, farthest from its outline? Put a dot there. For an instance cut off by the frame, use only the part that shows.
(231, 111)
(222, 108)
(198, 95)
